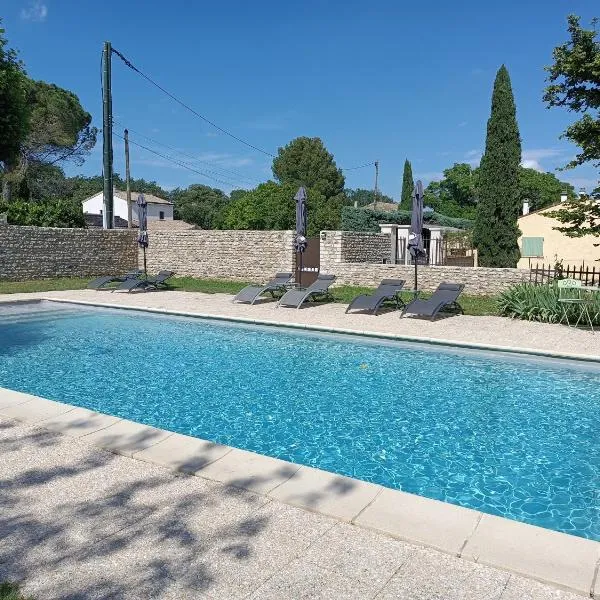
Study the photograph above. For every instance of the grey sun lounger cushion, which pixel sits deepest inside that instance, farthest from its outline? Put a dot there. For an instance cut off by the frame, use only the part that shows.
(151, 283)
(250, 293)
(445, 297)
(101, 282)
(388, 290)
(319, 290)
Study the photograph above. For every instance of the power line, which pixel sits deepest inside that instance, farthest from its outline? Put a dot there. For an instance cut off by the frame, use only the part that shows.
(177, 162)
(239, 176)
(129, 64)
(359, 166)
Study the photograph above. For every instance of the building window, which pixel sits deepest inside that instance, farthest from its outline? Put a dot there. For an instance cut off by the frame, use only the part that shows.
(161, 215)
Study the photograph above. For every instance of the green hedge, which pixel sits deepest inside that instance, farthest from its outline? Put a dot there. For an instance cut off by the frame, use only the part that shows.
(48, 213)
(361, 219)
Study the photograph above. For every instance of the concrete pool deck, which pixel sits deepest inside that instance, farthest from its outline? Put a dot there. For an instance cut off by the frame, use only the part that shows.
(66, 526)
(565, 561)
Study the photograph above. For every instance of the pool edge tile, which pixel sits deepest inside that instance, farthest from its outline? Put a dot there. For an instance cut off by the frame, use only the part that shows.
(327, 493)
(78, 422)
(255, 472)
(549, 556)
(35, 410)
(420, 520)
(183, 453)
(126, 437)
(10, 398)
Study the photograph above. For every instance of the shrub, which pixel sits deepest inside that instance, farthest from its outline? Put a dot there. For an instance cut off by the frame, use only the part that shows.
(540, 303)
(361, 219)
(47, 213)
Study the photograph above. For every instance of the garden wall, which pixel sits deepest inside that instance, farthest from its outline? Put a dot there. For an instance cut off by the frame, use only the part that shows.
(237, 255)
(477, 280)
(47, 252)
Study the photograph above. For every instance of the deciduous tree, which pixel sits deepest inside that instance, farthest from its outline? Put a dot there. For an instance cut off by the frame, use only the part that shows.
(305, 161)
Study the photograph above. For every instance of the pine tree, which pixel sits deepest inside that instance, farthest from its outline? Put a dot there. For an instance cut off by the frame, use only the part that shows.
(496, 229)
(407, 187)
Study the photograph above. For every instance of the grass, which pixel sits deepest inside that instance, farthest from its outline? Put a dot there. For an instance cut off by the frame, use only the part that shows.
(10, 591)
(473, 305)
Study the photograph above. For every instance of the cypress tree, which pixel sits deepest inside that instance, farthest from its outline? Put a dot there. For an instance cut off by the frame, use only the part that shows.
(496, 229)
(407, 187)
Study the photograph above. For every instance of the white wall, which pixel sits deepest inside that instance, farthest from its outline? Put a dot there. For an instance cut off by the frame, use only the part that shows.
(95, 206)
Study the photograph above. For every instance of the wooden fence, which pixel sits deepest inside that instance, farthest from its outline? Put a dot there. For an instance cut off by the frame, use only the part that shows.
(544, 274)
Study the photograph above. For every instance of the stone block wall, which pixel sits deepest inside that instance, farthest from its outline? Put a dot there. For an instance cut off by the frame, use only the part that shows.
(235, 255)
(47, 252)
(477, 280)
(354, 246)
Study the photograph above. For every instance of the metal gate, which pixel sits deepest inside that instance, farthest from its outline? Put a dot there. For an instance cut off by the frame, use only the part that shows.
(310, 260)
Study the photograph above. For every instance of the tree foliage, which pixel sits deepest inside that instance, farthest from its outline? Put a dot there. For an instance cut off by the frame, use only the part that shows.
(14, 109)
(271, 205)
(574, 83)
(408, 186)
(496, 230)
(361, 219)
(59, 128)
(200, 205)
(305, 161)
(541, 189)
(47, 213)
(362, 197)
(455, 194)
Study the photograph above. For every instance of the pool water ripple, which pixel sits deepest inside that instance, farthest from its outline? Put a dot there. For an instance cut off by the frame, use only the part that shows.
(507, 435)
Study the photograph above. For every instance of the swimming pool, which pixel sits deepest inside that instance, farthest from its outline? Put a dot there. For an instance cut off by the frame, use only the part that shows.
(505, 434)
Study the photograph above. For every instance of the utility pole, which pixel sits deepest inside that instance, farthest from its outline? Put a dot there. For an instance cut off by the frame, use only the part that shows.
(376, 181)
(128, 181)
(107, 150)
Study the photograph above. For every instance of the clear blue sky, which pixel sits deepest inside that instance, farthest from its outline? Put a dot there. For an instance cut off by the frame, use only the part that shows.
(384, 80)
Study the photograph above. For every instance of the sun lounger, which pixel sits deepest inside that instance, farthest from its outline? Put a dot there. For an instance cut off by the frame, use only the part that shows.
(251, 293)
(150, 283)
(444, 298)
(102, 282)
(388, 290)
(319, 290)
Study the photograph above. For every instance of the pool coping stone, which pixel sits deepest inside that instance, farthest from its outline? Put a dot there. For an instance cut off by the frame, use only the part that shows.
(326, 329)
(566, 561)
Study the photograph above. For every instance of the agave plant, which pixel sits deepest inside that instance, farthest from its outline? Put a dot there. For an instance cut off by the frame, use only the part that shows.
(541, 303)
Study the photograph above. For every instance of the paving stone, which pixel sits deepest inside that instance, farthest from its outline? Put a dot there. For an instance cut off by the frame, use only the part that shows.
(519, 588)
(547, 555)
(79, 422)
(183, 453)
(415, 518)
(11, 397)
(126, 437)
(36, 409)
(303, 580)
(249, 470)
(358, 553)
(436, 576)
(328, 493)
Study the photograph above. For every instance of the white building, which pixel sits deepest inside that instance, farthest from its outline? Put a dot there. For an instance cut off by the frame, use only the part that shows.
(159, 209)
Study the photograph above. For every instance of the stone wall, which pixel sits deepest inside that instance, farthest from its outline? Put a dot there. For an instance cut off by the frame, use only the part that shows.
(354, 246)
(477, 280)
(236, 255)
(46, 252)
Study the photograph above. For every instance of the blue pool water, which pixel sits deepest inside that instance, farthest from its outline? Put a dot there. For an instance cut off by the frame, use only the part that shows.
(504, 434)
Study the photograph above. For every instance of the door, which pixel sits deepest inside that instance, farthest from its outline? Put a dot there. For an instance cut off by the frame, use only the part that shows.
(308, 262)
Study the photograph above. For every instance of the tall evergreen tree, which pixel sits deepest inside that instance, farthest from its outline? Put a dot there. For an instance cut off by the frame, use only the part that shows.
(496, 229)
(407, 187)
